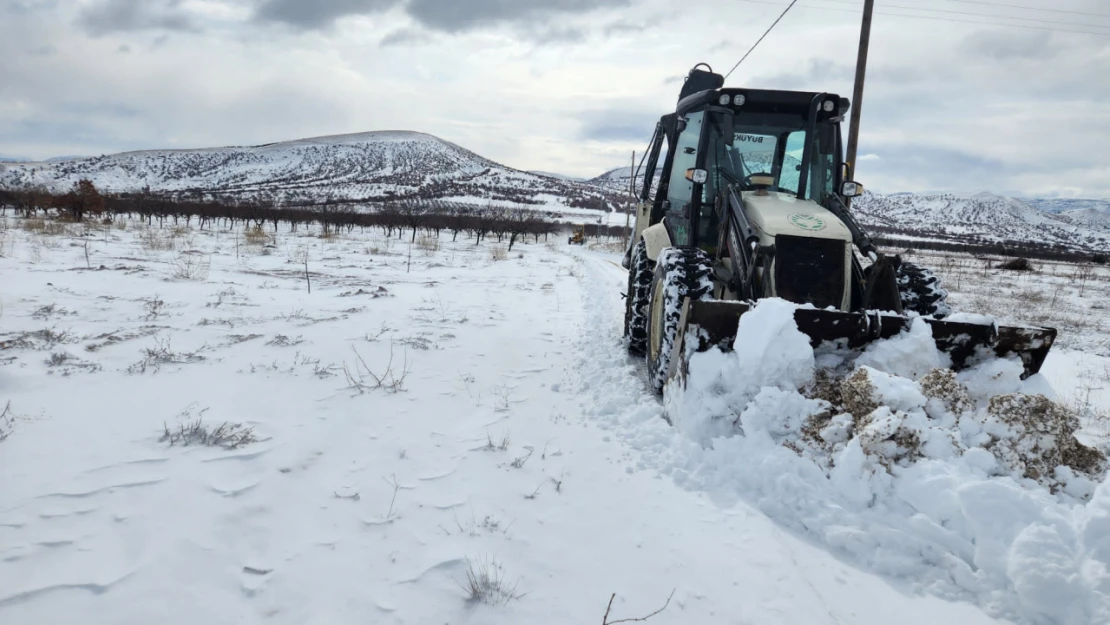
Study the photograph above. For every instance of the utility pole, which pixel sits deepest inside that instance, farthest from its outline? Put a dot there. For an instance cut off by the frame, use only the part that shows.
(857, 94)
(631, 198)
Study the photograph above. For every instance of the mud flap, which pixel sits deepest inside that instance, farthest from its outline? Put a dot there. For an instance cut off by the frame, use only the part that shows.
(713, 323)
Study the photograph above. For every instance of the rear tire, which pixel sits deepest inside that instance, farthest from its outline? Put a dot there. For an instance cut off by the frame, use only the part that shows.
(921, 291)
(679, 273)
(640, 271)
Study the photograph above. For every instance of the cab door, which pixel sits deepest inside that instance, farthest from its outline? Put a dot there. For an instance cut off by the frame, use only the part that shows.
(680, 190)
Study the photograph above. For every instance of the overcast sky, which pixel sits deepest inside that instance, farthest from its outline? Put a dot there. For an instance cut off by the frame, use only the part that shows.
(568, 86)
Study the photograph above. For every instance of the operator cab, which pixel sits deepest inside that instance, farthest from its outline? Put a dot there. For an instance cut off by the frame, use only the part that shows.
(789, 141)
(770, 163)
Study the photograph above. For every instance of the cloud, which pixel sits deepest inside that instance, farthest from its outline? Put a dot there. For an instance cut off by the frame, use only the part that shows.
(617, 124)
(1002, 45)
(455, 16)
(317, 14)
(405, 36)
(624, 27)
(553, 34)
(104, 17)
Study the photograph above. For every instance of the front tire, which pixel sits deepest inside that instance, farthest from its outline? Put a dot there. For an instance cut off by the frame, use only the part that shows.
(921, 291)
(640, 271)
(679, 273)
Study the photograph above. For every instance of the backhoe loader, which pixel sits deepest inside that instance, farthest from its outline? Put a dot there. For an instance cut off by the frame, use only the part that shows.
(750, 204)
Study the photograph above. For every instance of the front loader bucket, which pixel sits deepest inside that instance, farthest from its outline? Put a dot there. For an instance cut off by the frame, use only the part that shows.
(714, 323)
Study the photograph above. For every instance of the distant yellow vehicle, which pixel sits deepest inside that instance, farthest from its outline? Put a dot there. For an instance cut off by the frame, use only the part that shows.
(579, 236)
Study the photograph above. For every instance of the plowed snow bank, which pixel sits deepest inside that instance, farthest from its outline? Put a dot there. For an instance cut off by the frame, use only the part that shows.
(971, 484)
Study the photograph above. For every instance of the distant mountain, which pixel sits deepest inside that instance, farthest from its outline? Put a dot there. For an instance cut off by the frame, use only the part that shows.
(1063, 205)
(982, 217)
(371, 166)
(617, 179)
(548, 174)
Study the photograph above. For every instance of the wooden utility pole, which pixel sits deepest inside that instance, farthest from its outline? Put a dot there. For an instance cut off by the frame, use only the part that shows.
(631, 198)
(857, 94)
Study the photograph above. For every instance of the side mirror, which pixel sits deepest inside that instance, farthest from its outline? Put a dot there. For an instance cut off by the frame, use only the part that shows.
(697, 176)
(851, 188)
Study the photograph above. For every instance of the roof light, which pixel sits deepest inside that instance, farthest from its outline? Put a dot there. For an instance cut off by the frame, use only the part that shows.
(724, 99)
(739, 99)
(829, 105)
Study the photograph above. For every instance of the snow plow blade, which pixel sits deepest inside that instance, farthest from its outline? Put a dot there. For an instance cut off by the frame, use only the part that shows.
(714, 323)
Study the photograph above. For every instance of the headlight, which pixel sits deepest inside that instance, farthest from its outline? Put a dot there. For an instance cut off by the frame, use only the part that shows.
(739, 99)
(829, 105)
(724, 99)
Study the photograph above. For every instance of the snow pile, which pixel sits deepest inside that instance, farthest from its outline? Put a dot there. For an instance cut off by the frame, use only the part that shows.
(972, 484)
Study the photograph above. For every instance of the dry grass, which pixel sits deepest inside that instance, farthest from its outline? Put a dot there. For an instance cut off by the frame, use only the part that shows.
(153, 240)
(227, 435)
(485, 583)
(256, 236)
(427, 244)
(44, 226)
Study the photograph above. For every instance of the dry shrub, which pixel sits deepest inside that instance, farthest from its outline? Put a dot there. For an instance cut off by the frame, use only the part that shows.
(1031, 296)
(43, 226)
(256, 236)
(153, 240)
(485, 583)
(1016, 264)
(427, 244)
(227, 435)
(190, 266)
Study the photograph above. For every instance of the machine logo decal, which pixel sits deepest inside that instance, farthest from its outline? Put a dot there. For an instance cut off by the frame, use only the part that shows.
(806, 222)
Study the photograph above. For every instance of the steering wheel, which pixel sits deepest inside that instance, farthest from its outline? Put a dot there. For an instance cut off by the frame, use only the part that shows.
(748, 179)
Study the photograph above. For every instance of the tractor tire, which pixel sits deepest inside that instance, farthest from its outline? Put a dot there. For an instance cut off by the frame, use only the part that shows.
(679, 273)
(921, 291)
(640, 270)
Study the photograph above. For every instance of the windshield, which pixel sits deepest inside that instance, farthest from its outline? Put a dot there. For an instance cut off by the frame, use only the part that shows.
(771, 144)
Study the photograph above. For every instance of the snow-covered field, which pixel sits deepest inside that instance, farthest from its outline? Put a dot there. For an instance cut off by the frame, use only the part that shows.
(435, 409)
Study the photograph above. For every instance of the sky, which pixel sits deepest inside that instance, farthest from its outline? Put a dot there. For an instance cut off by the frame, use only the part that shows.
(566, 86)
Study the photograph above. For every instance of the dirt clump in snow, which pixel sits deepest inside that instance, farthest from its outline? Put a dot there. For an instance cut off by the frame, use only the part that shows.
(945, 393)
(858, 394)
(1037, 436)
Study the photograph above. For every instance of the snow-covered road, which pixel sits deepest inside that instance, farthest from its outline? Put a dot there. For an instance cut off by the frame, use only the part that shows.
(522, 440)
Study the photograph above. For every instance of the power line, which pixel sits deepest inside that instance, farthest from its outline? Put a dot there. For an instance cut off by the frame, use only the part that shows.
(1005, 17)
(943, 19)
(790, 6)
(1014, 6)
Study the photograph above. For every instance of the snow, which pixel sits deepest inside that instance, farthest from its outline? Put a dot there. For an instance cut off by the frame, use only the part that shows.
(909, 355)
(522, 439)
(921, 491)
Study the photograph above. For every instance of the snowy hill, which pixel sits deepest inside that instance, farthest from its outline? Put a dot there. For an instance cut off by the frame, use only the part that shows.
(1065, 205)
(982, 217)
(365, 166)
